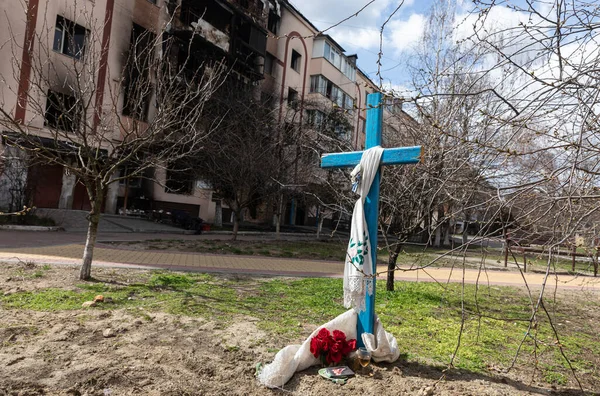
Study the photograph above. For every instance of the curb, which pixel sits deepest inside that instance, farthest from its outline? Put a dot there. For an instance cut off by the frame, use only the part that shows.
(29, 228)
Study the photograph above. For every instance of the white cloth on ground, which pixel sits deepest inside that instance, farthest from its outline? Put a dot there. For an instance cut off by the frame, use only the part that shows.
(358, 256)
(383, 347)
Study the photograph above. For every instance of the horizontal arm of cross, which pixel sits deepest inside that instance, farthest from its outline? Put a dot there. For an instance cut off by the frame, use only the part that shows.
(391, 156)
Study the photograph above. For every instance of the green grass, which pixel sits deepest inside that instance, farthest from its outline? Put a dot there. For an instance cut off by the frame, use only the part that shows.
(424, 317)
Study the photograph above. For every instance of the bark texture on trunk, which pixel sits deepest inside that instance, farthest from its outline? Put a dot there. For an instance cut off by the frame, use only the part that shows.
(320, 227)
(277, 226)
(389, 286)
(90, 242)
(278, 217)
(219, 214)
(236, 226)
(447, 232)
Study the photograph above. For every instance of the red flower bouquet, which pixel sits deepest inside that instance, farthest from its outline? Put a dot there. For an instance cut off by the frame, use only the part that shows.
(331, 348)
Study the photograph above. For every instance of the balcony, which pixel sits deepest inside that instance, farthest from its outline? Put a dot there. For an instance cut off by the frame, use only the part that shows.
(232, 27)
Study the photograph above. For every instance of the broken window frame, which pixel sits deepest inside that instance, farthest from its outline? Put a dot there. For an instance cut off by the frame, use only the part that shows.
(70, 39)
(269, 67)
(180, 182)
(137, 90)
(295, 61)
(63, 112)
(292, 98)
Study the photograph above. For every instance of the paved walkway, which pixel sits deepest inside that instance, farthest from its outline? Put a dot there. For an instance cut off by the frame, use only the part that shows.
(76, 221)
(110, 256)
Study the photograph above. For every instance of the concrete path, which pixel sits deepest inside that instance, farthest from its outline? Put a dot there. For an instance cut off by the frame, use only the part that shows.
(110, 256)
(76, 221)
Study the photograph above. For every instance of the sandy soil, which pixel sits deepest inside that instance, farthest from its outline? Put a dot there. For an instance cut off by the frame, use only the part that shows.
(75, 353)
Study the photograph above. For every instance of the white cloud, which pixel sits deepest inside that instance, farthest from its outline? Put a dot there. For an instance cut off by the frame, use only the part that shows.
(361, 31)
(404, 34)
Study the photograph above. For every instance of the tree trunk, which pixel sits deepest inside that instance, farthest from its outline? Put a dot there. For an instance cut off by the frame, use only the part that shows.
(465, 234)
(126, 197)
(219, 214)
(439, 215)
(389, 286)
(438, 236)
(425, 237)
(596, 262)
(90, 241)
(505, 249)
(320, 226)
(278, 217)
(447, 233)
(236, 225)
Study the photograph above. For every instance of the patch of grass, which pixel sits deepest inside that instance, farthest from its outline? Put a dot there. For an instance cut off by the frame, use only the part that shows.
(552, 375)
(173, 281)
(38, 274)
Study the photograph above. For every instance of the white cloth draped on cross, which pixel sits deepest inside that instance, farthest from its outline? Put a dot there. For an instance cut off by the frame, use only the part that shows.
(359, 269)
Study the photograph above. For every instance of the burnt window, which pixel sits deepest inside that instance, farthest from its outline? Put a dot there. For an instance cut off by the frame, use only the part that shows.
(138, 87)
(209, 10)
(62, 111)
(273, 22)
(180, 180)
(296, 57)
(130, 180)
(69, 38)
(269, 64)
(292, 98)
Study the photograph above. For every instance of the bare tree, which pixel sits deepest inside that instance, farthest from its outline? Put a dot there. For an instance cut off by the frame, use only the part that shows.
(514, 104)
(147, 114)
(450, 184)
(240, 160)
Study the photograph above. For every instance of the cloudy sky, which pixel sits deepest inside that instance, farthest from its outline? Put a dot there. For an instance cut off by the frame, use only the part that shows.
(361, 34)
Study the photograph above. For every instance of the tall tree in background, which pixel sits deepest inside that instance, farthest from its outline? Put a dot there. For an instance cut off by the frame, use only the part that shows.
(450, 181)
(240, 160)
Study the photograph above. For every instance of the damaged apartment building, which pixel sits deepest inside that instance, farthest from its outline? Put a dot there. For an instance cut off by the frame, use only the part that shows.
(267, 44)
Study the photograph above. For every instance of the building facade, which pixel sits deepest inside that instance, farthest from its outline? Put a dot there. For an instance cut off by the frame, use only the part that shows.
(54, 37)
(268, 44)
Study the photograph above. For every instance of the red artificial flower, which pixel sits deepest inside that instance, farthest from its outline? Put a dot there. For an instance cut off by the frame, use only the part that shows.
(334, 357)
(349, 347)
(315, 346)
(331, 348)
(325, 338)
(323, 334)
(339, 335)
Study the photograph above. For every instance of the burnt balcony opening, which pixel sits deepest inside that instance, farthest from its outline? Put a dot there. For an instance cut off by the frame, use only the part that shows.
(229, 28)
(211, 11)
(252, 8)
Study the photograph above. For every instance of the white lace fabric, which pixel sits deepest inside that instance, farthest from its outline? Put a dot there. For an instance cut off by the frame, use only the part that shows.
(359, 266)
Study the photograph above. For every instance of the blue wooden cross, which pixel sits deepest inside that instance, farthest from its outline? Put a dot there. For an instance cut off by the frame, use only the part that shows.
(393, 156)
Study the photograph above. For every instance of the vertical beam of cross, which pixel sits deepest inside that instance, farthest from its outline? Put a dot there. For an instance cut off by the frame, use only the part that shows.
(373, 138)
(391, 156)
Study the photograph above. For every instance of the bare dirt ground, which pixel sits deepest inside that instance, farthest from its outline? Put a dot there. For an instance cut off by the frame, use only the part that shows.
(150, 353)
